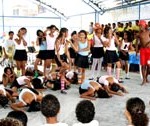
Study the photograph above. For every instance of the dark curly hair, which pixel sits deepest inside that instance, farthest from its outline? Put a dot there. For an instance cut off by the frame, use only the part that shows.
(3, 100)
(34, 106)
(10, 122)
(136, 107)
(8, 68)
(85, 111)
(50, 106)
(20, 115)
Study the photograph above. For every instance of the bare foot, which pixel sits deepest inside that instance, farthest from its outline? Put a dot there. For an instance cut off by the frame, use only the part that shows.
(143, 83)
(147, 81)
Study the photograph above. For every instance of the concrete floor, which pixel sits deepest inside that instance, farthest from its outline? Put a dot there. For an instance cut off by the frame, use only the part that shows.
(109, 112)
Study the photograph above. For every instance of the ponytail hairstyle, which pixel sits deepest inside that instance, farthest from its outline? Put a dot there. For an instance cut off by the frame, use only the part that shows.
(62, 31)
(136, 108)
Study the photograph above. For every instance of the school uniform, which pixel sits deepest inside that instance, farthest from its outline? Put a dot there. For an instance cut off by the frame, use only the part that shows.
(50, 53)
(29, 90)
(111, 54)
(97, 50)
(82, 57)
(42, 50)
(85, 86)
(72, 52)
(62, 54)
(19, 82)
(20, 52)
(124, 48)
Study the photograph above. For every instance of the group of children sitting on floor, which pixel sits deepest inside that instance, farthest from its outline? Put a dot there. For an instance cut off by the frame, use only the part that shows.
(25, 93)
(85, 113)
(28, 89)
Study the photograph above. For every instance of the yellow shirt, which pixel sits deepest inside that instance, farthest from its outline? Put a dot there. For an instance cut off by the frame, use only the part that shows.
(130, 28)
(136, 28)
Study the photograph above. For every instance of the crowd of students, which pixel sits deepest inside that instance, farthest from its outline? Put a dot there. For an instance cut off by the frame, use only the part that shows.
(108, 45)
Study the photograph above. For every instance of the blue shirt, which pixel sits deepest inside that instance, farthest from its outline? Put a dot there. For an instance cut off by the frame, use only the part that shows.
(86, 84)
(82, 46)
(43, 45)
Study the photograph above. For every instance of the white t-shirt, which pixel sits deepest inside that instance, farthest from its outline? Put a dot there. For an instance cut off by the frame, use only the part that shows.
(9, 46)
(50, 42)
(103, 80)
(19, 46)
(21, 80)
(2, 88)
(112, 46)
(97, 41)
(56, 124)
(92, 123)
(125, 45)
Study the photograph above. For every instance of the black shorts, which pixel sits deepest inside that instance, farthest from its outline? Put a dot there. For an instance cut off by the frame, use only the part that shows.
(42, 55)
(20, 55)
(50, 54)
(111, 57)
(73, 54)
(62, 57)
(15, 84)
(81, 91)
(97, 52)
(124, 56)
(82, 61)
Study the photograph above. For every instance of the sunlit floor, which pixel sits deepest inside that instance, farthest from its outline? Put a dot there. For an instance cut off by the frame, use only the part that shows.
(109, 112)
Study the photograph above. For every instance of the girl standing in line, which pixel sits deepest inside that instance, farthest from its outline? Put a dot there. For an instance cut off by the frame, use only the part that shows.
(72, 52)
(61, 49)
(50, 53)
(41, 42)
(111, 54)
(20, 55)
(97, 51)
(83, 49)
(125, 45)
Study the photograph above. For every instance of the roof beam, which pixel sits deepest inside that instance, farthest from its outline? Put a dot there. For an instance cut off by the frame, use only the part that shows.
(94, 5)
(51, 9)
